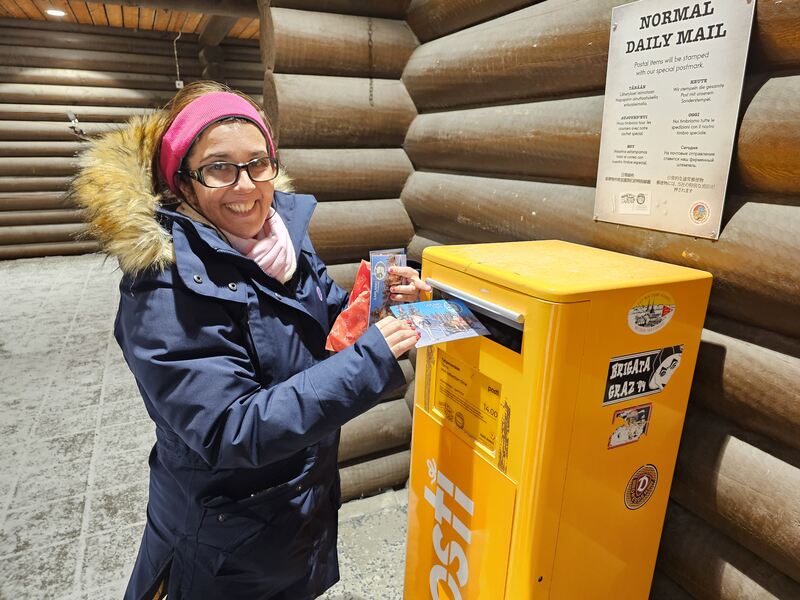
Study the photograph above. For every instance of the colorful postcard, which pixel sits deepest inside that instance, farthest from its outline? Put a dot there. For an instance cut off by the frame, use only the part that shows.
(440, 321)
(381, 281)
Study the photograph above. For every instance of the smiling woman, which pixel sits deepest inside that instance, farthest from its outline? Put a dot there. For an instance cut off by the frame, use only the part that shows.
(224, 312)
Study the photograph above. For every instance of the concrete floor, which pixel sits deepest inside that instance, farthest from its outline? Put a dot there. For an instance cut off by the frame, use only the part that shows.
(74, 440)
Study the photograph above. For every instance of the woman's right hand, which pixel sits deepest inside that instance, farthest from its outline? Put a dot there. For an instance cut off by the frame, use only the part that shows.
(399, 335)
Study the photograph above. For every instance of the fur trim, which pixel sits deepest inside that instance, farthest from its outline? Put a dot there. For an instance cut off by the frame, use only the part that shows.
(114, 186)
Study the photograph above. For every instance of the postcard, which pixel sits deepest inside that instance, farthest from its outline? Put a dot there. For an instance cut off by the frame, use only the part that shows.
(381, 281)
(440, 321)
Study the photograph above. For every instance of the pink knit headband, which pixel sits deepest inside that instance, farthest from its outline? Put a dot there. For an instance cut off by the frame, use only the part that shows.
(193, 120)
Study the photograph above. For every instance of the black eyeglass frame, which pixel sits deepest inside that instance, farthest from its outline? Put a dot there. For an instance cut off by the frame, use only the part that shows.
(197, 174)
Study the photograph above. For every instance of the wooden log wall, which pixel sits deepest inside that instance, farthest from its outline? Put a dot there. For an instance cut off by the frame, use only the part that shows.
(331, 86)
(340, 112)
(505, 147)
(104, 76)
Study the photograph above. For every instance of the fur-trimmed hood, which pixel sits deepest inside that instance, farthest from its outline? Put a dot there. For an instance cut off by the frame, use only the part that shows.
(114, 185)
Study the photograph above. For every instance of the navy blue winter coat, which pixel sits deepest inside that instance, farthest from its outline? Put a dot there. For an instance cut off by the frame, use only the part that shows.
(247, 404)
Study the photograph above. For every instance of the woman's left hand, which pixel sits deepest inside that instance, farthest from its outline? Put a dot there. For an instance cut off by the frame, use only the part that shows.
(409, 291)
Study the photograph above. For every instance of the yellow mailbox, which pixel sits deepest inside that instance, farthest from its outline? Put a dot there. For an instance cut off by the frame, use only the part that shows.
(542, 455)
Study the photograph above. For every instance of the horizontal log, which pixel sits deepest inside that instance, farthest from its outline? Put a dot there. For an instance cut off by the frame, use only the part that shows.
(431, 19)
(34, 201)
(389, 9)
(40, 217)
(753, 262)
(424, 238)
(39, 149)
(39, 234)
(766, 149)
(339, 174)
(408, 379)
(412, 358)
(373, 476)
(348, 230)
(344, 275)
(111, 79)
(754, 335)
(318, 43)
(709, 565)
(742, 490)
(27, 93)
(37, 166)
(69, 40)
(553, 48)
(238, 53)
(25, 131)
(269, 102)
(408, 397)
(24, 56)
(335, 112)
(757, 388)
(33, 184)
(664, 588)
(386, 426)
(266, 35)
(47, 249)
(58, 112)
(776, 39)
(560, 140)
(557, 139)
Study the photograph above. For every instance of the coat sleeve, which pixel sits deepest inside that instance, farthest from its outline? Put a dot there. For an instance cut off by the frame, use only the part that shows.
(191, 362)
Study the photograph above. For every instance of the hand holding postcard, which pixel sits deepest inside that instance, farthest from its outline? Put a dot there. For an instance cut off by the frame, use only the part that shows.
(440, 321)
(382, 280)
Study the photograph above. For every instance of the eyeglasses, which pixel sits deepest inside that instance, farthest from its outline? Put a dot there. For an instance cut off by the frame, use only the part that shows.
(224, 174)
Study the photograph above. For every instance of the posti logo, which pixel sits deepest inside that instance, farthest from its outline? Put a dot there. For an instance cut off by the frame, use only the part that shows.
(453, 511)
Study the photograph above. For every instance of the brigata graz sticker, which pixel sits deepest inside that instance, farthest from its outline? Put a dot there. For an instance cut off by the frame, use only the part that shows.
(651, 313)
(641, 486)
(641, 374)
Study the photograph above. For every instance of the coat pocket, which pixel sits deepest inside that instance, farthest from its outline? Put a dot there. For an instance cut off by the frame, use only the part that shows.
(275, 541)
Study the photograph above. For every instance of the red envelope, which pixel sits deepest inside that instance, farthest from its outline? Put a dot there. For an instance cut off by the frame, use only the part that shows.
(352, 321)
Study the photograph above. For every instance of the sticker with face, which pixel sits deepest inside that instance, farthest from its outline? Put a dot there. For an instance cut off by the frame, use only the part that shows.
(242, 208)
(667, 362)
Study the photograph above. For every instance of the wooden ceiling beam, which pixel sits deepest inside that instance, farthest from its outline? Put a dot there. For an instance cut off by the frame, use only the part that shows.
(228, 8)
(215, 29)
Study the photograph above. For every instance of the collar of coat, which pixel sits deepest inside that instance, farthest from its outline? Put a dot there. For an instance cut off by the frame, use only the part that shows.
(114, 186)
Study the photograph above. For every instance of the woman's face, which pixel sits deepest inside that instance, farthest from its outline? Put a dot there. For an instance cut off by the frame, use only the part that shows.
(242, 208)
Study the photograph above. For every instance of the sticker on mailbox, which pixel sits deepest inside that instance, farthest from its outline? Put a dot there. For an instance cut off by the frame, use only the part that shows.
(641, 374)
(630, 425)
(468, 399)
(641, 486)
(651, 312)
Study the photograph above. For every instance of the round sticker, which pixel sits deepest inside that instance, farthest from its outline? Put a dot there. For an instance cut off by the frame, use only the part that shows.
(699, 213)
(651, 313)
(641, 486)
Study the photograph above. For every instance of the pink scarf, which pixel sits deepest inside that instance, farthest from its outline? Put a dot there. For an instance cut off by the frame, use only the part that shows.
(271, 249)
